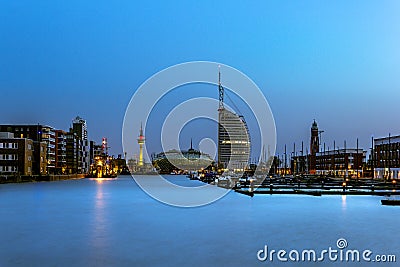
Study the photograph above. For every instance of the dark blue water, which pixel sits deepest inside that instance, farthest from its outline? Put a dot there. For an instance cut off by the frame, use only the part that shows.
(113, 223)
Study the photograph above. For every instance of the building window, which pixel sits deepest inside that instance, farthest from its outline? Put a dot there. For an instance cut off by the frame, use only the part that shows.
(29, 158)
(29, 169)
(11, 145)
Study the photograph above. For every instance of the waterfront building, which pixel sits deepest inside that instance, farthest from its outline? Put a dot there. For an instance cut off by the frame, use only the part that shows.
(386, 157)
(79, 127)
(118, 164)
(299, 164)
(39, 166)
(233, 138)
(72, 150)
(102, 164)
(347, 162)
(37, 133)
(94, 151)
(16, 155)
(177, 161)
(132, 165)
(233, 141)
(61, 152)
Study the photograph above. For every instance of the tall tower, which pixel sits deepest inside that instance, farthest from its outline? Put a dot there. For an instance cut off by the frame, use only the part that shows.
(140, 141)
(233, 137)
(314, 148)
(314, 144)
(80, 128)
(104, 146)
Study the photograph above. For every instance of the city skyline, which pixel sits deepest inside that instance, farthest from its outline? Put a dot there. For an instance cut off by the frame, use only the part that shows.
(333, 62)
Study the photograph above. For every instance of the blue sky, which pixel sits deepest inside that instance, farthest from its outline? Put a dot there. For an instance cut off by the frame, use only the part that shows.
(334, 61)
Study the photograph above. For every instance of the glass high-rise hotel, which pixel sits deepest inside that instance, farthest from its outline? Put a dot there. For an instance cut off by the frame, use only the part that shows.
(233, 137)
(233, 141)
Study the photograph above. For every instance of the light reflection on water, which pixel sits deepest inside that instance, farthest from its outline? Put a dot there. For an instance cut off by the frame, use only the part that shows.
(111, 222)
(99, 233)
(344, 203)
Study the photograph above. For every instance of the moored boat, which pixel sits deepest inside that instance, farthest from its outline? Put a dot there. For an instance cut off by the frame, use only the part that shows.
(390, 202)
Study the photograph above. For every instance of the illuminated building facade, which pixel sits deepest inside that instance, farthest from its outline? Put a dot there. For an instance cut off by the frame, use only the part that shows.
(341, 162)
(79, 127)
(61, 152)
(233, 141)
(386, 157)
(176, 161)
(38, 133)
(233, 137)
(16, 155)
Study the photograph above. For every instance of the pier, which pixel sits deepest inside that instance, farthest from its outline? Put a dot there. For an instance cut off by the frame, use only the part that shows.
(313, 186)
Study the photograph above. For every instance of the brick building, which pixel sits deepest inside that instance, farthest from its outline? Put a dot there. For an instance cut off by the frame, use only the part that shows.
(16, 155)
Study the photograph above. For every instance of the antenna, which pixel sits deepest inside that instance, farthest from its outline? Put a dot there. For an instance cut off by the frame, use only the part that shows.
(220, 89)
(141, 129)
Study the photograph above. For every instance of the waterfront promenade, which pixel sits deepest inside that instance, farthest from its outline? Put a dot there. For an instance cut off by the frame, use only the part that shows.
(38, 178)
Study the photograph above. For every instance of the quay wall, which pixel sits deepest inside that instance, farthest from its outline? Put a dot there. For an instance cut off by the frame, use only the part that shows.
(38, 178)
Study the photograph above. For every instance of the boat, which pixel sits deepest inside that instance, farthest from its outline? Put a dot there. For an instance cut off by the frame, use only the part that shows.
(390, 202)
(224, 181)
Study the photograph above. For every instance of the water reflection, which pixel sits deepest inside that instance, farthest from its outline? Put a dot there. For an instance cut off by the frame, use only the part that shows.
(114, 223)
(101, 180)
(99, 232)
(344, 202)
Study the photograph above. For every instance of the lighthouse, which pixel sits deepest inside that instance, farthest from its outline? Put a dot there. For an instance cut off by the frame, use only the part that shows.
(140, 141)
(314, 148)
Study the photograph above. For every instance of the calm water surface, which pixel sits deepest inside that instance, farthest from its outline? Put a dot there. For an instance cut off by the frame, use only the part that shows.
(114, 223)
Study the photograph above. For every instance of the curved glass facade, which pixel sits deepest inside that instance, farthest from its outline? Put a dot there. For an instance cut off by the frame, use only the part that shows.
(233, 141)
